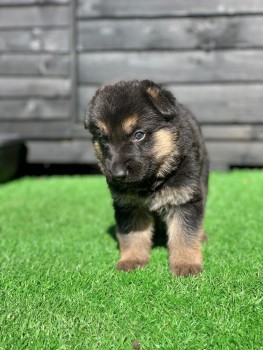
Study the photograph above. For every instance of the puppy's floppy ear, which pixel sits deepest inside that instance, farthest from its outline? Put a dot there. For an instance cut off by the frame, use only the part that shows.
(162, 99)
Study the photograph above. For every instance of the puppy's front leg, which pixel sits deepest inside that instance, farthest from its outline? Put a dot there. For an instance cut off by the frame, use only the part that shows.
(134, 233)
(184, 226)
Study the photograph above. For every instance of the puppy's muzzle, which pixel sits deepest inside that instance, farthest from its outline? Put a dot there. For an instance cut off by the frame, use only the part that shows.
(118, 171)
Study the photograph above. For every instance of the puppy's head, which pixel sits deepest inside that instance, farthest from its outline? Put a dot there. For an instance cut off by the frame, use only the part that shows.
(133, 129)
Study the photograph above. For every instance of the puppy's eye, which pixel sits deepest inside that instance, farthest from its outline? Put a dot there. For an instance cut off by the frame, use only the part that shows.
(139, 135)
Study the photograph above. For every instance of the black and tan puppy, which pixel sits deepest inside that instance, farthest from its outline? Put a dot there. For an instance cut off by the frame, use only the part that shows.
(151, 150)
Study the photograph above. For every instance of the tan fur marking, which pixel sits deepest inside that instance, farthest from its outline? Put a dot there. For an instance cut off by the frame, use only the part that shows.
(129, 123)
(184, 253)
(135, 249)
(165, 168)
(98, 150)
(103, 127)
(164, 143)
(153, 92)
(99, 155)
(165, 150)
(171, 196)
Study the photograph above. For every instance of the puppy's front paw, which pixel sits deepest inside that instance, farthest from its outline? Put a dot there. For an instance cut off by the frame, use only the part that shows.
(129, 265)
(186, 269)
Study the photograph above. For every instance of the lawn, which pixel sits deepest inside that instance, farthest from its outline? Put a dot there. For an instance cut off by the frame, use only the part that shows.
(59, 288)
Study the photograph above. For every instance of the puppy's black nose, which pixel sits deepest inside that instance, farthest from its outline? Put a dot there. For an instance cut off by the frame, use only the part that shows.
(118, 171)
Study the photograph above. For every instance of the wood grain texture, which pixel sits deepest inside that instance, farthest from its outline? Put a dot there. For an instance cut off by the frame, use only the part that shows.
(35, 40)
(34, 130)
(231, 103)
(235, 153)
(34, 108)
(34, 64)
(177, 33)
(233, 132)
(32, 2)
(85, 94)
(61, 152)
(30, 16)
(171, 67)
(30, 87)
(156, 8)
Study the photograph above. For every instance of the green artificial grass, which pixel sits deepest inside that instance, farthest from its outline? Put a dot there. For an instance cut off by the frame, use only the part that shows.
(59, 288)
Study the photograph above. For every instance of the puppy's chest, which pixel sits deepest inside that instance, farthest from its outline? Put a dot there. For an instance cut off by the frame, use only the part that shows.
(156, 201)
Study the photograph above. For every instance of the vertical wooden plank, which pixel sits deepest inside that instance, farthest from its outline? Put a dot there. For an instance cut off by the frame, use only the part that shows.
(73, 59)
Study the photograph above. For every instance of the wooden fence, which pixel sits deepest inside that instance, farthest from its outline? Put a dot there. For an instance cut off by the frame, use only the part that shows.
(55, 53)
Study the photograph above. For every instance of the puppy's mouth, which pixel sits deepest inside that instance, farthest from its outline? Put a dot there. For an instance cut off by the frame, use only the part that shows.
(128, 178)
(139, 174)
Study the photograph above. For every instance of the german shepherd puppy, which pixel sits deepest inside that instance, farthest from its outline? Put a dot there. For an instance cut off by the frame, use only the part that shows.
(153, 155)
